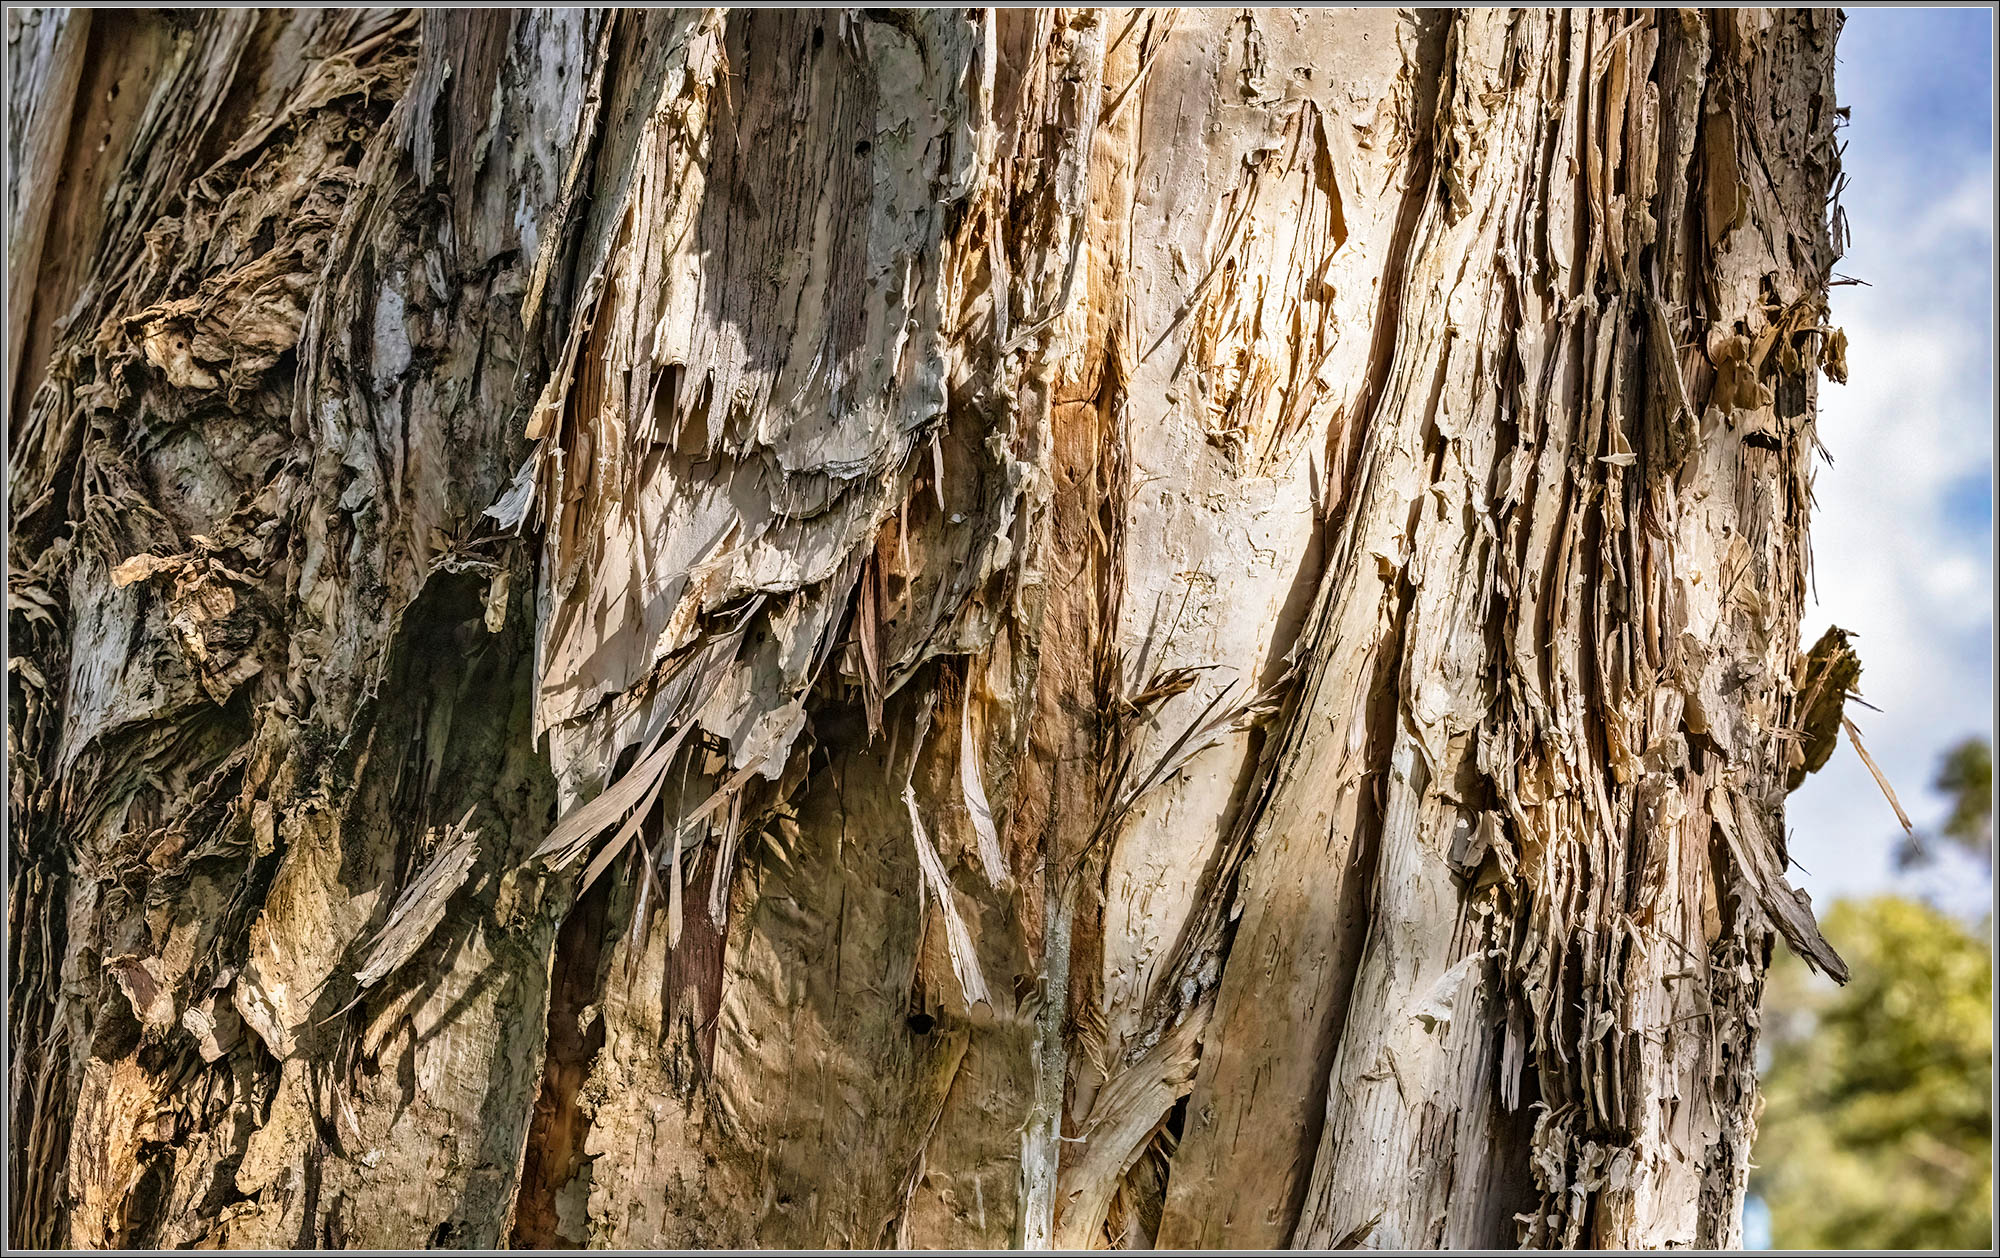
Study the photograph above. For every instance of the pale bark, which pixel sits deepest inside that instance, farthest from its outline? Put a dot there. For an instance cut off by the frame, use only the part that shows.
(879, 628)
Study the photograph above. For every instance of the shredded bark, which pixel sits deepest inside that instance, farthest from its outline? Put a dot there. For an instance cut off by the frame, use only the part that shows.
(1337, 481)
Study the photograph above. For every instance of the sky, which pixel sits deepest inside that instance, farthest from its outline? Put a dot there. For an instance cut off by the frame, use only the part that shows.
(1902, 535)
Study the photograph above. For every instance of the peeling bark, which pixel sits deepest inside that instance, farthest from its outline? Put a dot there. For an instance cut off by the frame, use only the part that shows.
(879, 628)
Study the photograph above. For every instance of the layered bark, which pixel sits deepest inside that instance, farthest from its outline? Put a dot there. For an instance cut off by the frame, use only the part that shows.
(906, 629)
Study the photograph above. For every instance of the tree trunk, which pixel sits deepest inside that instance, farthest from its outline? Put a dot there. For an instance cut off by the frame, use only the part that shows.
(880, 628)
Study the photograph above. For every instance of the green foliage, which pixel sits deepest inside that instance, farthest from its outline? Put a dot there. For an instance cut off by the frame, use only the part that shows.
(1876, 1131)
(1967, 777)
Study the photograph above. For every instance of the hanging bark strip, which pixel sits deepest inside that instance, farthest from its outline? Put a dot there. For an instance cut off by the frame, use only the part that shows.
(704, 627)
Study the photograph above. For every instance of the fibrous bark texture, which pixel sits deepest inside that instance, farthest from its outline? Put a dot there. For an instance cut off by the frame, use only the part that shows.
(906, 628)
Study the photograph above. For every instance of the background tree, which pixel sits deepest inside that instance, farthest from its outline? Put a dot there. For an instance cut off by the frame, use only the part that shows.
(1877, 1132)
(938, 628)
(1965, 776)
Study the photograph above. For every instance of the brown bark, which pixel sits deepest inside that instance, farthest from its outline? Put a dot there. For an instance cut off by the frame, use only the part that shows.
(879, 628)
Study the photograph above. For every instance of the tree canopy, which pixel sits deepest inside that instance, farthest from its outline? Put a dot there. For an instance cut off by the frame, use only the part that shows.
(1878, 1118)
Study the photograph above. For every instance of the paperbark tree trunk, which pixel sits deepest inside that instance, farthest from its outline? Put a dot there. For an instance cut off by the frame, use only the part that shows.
(881, 628)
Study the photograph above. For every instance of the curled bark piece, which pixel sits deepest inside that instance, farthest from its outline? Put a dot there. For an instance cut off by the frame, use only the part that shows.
(958, 937)
(420, 907)
(574, 832)
(991, 858)
(1881, 778)
(1829, 673)
(1789, 909)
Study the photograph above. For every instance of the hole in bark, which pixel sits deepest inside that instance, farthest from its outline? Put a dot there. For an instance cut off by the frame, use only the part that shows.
(142, 1208)
(921, 1023)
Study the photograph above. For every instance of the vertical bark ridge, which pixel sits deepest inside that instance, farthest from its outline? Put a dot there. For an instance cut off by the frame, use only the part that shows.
(1305, 837)
(1414, 1067)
